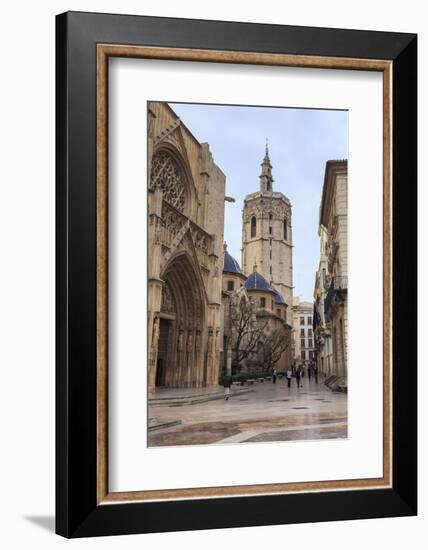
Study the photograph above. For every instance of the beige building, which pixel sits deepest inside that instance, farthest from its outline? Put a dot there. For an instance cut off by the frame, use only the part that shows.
(267, 234)
(303, 338)
(334, 237)
(322, 332)
(186, 195)
(295, 342)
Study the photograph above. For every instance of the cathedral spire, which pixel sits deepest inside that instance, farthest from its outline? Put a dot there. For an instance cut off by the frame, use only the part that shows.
(266, 178)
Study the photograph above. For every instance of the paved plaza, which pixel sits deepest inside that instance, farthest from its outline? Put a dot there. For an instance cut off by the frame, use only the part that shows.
(264, 412)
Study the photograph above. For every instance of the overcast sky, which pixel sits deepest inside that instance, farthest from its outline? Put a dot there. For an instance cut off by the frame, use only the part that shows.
(300, 143)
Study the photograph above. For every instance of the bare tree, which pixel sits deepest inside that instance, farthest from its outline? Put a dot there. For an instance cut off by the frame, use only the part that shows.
(272, 346)
(247, 331)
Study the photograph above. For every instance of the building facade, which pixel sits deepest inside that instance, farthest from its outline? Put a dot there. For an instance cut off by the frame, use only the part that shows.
(332, 287)
(186, 193)
(304, 343)
(322, 332)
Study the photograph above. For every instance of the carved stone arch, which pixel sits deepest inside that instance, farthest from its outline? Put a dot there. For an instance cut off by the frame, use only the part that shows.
(183, 364)
(253, 212)
(188, 260)
(171, 171)
(253, 226)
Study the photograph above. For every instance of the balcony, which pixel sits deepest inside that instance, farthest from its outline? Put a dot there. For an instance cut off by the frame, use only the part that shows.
(336, 294)
(340, 282)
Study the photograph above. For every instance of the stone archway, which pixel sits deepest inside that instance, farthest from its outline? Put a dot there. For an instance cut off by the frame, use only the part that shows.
(182, 340)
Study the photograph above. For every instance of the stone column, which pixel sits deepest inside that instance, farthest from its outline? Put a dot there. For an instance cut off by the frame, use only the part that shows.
(189, 368)
(210, 355)
(180, 358)
(203, 210)
(198, 357)
(153, 355)
(229, 361)
(154, 297)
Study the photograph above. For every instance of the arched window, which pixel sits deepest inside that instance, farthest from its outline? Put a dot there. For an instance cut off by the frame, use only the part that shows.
(253, 226)
(270, 217)
(285, 229)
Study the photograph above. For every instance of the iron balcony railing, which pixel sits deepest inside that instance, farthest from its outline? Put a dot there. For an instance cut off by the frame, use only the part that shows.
(338, 287)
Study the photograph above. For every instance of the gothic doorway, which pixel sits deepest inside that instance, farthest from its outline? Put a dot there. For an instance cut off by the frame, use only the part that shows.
(162, 357)
(181, 345)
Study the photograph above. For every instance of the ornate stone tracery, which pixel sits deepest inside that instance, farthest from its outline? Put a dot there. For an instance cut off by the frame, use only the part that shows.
(278, 212)
(166, 174)
(200, 239)
(168, 304)
(176, 224)
(172, 220)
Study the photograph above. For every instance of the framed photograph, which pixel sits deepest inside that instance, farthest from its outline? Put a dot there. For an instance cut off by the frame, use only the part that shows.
(236, 246)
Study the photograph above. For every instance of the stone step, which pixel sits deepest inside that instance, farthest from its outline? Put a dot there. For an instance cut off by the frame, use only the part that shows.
(179, 401)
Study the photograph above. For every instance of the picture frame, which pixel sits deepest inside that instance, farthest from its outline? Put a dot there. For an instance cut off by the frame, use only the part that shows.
(84, 44)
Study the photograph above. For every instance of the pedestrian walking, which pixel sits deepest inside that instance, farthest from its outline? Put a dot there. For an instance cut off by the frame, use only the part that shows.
(289, 375)
(309, 372)
(274, 376)
(298, 376)
(227, 382)
(316, 374)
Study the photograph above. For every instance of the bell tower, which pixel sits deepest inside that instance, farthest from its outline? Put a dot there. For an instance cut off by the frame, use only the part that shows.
(267, 234)
(266, 179)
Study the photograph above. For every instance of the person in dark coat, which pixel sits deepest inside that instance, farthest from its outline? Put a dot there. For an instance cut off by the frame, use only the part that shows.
(274, 376)
(298, 375)
(227, 382)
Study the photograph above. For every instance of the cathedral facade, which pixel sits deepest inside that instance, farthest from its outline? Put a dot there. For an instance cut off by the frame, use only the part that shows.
(186, 192)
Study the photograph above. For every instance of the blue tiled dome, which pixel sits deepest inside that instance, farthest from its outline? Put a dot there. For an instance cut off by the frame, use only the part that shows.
(230, 264)
(255, 281)
(278, 298)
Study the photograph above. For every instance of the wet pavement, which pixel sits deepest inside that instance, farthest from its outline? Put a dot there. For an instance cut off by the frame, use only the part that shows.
(271, 412)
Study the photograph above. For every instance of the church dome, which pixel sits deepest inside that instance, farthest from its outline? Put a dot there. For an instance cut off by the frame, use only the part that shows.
(255, 281)
(230, 264)
(278, 298)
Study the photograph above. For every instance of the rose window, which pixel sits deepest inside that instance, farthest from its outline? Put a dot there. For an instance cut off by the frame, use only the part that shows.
(167, 175)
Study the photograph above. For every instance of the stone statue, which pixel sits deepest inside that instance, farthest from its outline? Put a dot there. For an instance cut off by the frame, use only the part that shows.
(155, 332)
(190, 341)
(180, 346)
(198, 340)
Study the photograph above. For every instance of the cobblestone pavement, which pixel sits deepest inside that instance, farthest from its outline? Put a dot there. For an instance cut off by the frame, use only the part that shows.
(272, 412)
